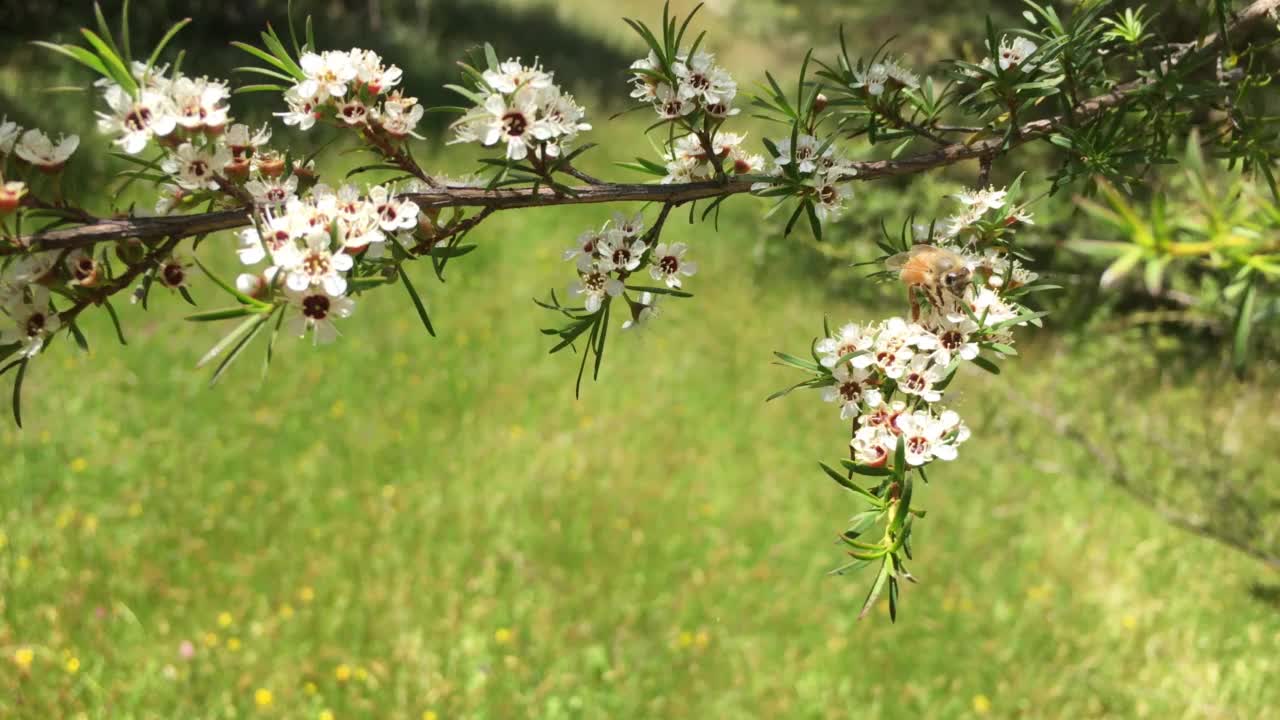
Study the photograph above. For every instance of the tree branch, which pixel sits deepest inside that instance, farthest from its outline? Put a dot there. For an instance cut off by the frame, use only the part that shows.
(673, 194)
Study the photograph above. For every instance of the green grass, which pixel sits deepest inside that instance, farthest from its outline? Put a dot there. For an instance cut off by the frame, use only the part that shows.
(443, 519)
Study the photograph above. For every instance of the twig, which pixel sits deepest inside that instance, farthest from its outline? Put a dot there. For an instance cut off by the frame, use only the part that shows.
(674, 194)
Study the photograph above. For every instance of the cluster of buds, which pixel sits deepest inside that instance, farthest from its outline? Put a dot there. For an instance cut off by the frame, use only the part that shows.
(521, 108)
(352, 89)
(311, 244)
(684, 85)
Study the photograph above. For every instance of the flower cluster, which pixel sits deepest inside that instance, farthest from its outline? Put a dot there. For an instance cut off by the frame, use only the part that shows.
(889, 377)
(169, 107)
(310, 244)
(521, 108)
(819, 170)
(607, 257)
(352, 89)
(689, 161)
(686, 85)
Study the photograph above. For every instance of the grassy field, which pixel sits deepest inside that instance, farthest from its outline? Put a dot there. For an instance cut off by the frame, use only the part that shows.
(404, 527)
(397, 526)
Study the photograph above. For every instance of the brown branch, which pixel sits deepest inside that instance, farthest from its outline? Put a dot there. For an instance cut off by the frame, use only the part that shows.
(674, 194)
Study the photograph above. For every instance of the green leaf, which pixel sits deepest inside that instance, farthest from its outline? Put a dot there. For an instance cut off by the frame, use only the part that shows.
(867, 470)
(258, 322)
(1244, 326)
(231, 290)
(80, 55)
(224, 314)
(17, 391)
(78, 334)
(877, 587)
(987, 365)
(851, 486)
(115, 66)
(115, 321)
(417, 301)
(231, 338)
(796, 362)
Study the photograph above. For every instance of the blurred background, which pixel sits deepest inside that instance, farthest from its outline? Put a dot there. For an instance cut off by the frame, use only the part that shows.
(397, 526)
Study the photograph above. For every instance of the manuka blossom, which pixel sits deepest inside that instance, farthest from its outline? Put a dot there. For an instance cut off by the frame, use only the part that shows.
(38, 149)
(522, 110)
(31, 320)
(690, 84)
(353, 88)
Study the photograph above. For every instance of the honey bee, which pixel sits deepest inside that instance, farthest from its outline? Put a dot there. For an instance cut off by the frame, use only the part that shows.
(931, 269)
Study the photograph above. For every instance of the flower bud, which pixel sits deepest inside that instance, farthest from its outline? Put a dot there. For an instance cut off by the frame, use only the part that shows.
(238, 169)
(820, 103)
(130, 251)
(11, 196)
(271, 165)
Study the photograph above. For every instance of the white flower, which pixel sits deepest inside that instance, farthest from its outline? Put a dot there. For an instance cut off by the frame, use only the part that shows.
(302, 110)
(277, 241)
(393, 214)
(36, 148)
(643, 312)
(991, 309)
(1012, 54)
(873, 79)
(620, 253)
(371, 73)
(704, 82)
(9, 133)
(926, 437)
(400, 122)
(353, 111)
(630, 227)
(510, 122)
(31, 321)
(981, 200)
(645, 85)
(595, 283)
(198, 102)
(849, 339)
(669, 103)
(806, 153)
(242, 141)
(318, 267)
(196, 168)
(512, 75)
(137, 121)
(893, 346)
(272, 192)
(920, 376)
(328, 74)
(854, 388)
(668, 264)
(954, 336)
(31, 268)
(832, 195)
(873, 445)
(585, 250)
(316, 311)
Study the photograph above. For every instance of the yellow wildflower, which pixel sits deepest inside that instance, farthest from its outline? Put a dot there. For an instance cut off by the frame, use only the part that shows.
(79, 465)
(23, 657)
(502, 636)
(72, 665)
(430, 715)
(342, 672)
(685, 639)
(211, 639)
(263, 697)
(225, 619)
(981, 704)
(286, 611)
(306, 594)
(325, 715)
(233, 644)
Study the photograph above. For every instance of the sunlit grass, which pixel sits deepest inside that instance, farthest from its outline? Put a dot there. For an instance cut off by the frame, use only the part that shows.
(397, 525)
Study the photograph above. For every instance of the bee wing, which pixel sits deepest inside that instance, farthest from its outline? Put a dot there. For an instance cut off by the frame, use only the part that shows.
(897, 262)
